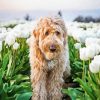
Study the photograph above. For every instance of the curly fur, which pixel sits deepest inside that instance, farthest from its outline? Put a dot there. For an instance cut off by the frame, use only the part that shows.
(47, 67)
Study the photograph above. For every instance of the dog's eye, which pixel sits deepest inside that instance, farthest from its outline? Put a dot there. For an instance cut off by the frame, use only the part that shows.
(46, 33)
(57, 33)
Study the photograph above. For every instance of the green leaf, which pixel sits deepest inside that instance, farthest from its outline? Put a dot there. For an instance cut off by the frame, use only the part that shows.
(76, 94)
(5, 61)
(87, 88)
(24, 96)
(5, 87)
(4, 65)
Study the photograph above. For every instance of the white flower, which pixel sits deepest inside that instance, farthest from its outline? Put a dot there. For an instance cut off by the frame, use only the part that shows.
(10, 39)
(3, 36)
(98, 33)
(90, 41)
(83, 54)
(79, 35)
(15, 46)
(25, 34)
(3, 30)
(22, 30)
(95, 47)
(95, 64)
(89, 52)
(97, 58)
(77, 45)
(0, 46)
(28, 41)
(9, 29)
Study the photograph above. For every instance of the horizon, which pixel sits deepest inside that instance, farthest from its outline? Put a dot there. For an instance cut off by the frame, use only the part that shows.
(35, 14)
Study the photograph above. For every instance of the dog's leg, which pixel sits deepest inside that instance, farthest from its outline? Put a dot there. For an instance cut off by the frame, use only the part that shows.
(55, 83)
(67, 71)
(38, 72)
(38, 80)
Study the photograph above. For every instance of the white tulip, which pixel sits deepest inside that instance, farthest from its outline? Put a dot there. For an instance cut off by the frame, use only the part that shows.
(76, 30)
(3, 36)
(98, 33)
(79, 35)
(23, 30)
(96, 48)
(25, 34)
(83, 54)
(95, 64)
(3, 30)
(28, 41)
(77, 45)
(15, 46)
(97, 58)
(90, 41)
(10, 39)
(89, 52)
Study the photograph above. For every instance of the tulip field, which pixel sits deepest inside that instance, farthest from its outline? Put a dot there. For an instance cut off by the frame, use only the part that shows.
(84, 51)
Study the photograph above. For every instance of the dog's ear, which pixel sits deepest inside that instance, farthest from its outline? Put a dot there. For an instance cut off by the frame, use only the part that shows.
(36, 34)
(59, 21)
(64, 35)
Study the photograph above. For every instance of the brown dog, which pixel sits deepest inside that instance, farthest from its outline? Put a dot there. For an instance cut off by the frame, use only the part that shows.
(49, 58)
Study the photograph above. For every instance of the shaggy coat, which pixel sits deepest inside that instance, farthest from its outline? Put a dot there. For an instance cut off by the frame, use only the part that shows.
(49, 58)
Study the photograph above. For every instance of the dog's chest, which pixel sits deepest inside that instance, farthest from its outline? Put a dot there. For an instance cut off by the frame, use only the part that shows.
(52, 64)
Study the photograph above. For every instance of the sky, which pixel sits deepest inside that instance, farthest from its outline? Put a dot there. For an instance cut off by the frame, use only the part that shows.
(15, 9)
(25, 5)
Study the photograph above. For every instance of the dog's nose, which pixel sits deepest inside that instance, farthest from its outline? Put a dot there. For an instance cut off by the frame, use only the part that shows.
(52, 48)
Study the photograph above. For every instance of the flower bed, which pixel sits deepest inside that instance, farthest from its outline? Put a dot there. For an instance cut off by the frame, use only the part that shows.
(84, 50)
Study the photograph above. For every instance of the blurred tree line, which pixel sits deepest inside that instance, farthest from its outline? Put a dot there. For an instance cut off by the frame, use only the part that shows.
(87, 19)
(27, 17)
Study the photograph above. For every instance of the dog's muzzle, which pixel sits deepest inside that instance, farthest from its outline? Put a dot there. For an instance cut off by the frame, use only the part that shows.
(52, 48)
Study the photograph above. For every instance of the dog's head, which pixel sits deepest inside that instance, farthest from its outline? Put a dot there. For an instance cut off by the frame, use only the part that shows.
(50, 34)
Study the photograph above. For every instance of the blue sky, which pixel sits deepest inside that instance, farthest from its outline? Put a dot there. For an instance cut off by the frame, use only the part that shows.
(23, 5)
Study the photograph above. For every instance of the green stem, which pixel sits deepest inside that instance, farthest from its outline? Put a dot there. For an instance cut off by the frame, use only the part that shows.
(84, 71)
(89, 61)
(11, 65)
(77, 54)
(99, 79)
(13, 61)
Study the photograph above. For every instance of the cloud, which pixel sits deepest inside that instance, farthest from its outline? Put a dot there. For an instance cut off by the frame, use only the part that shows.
(49, 4)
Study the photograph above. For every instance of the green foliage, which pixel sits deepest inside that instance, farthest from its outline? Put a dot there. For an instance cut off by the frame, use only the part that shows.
(89, 83)
(76, 94)
(14, 72)
(24, 96)
(76, 63)
(10, 26)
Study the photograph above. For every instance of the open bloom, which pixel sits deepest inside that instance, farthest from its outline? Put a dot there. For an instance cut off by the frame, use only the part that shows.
(95, 64)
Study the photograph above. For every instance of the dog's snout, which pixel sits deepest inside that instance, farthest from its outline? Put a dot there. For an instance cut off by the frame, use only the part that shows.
(52, 48)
